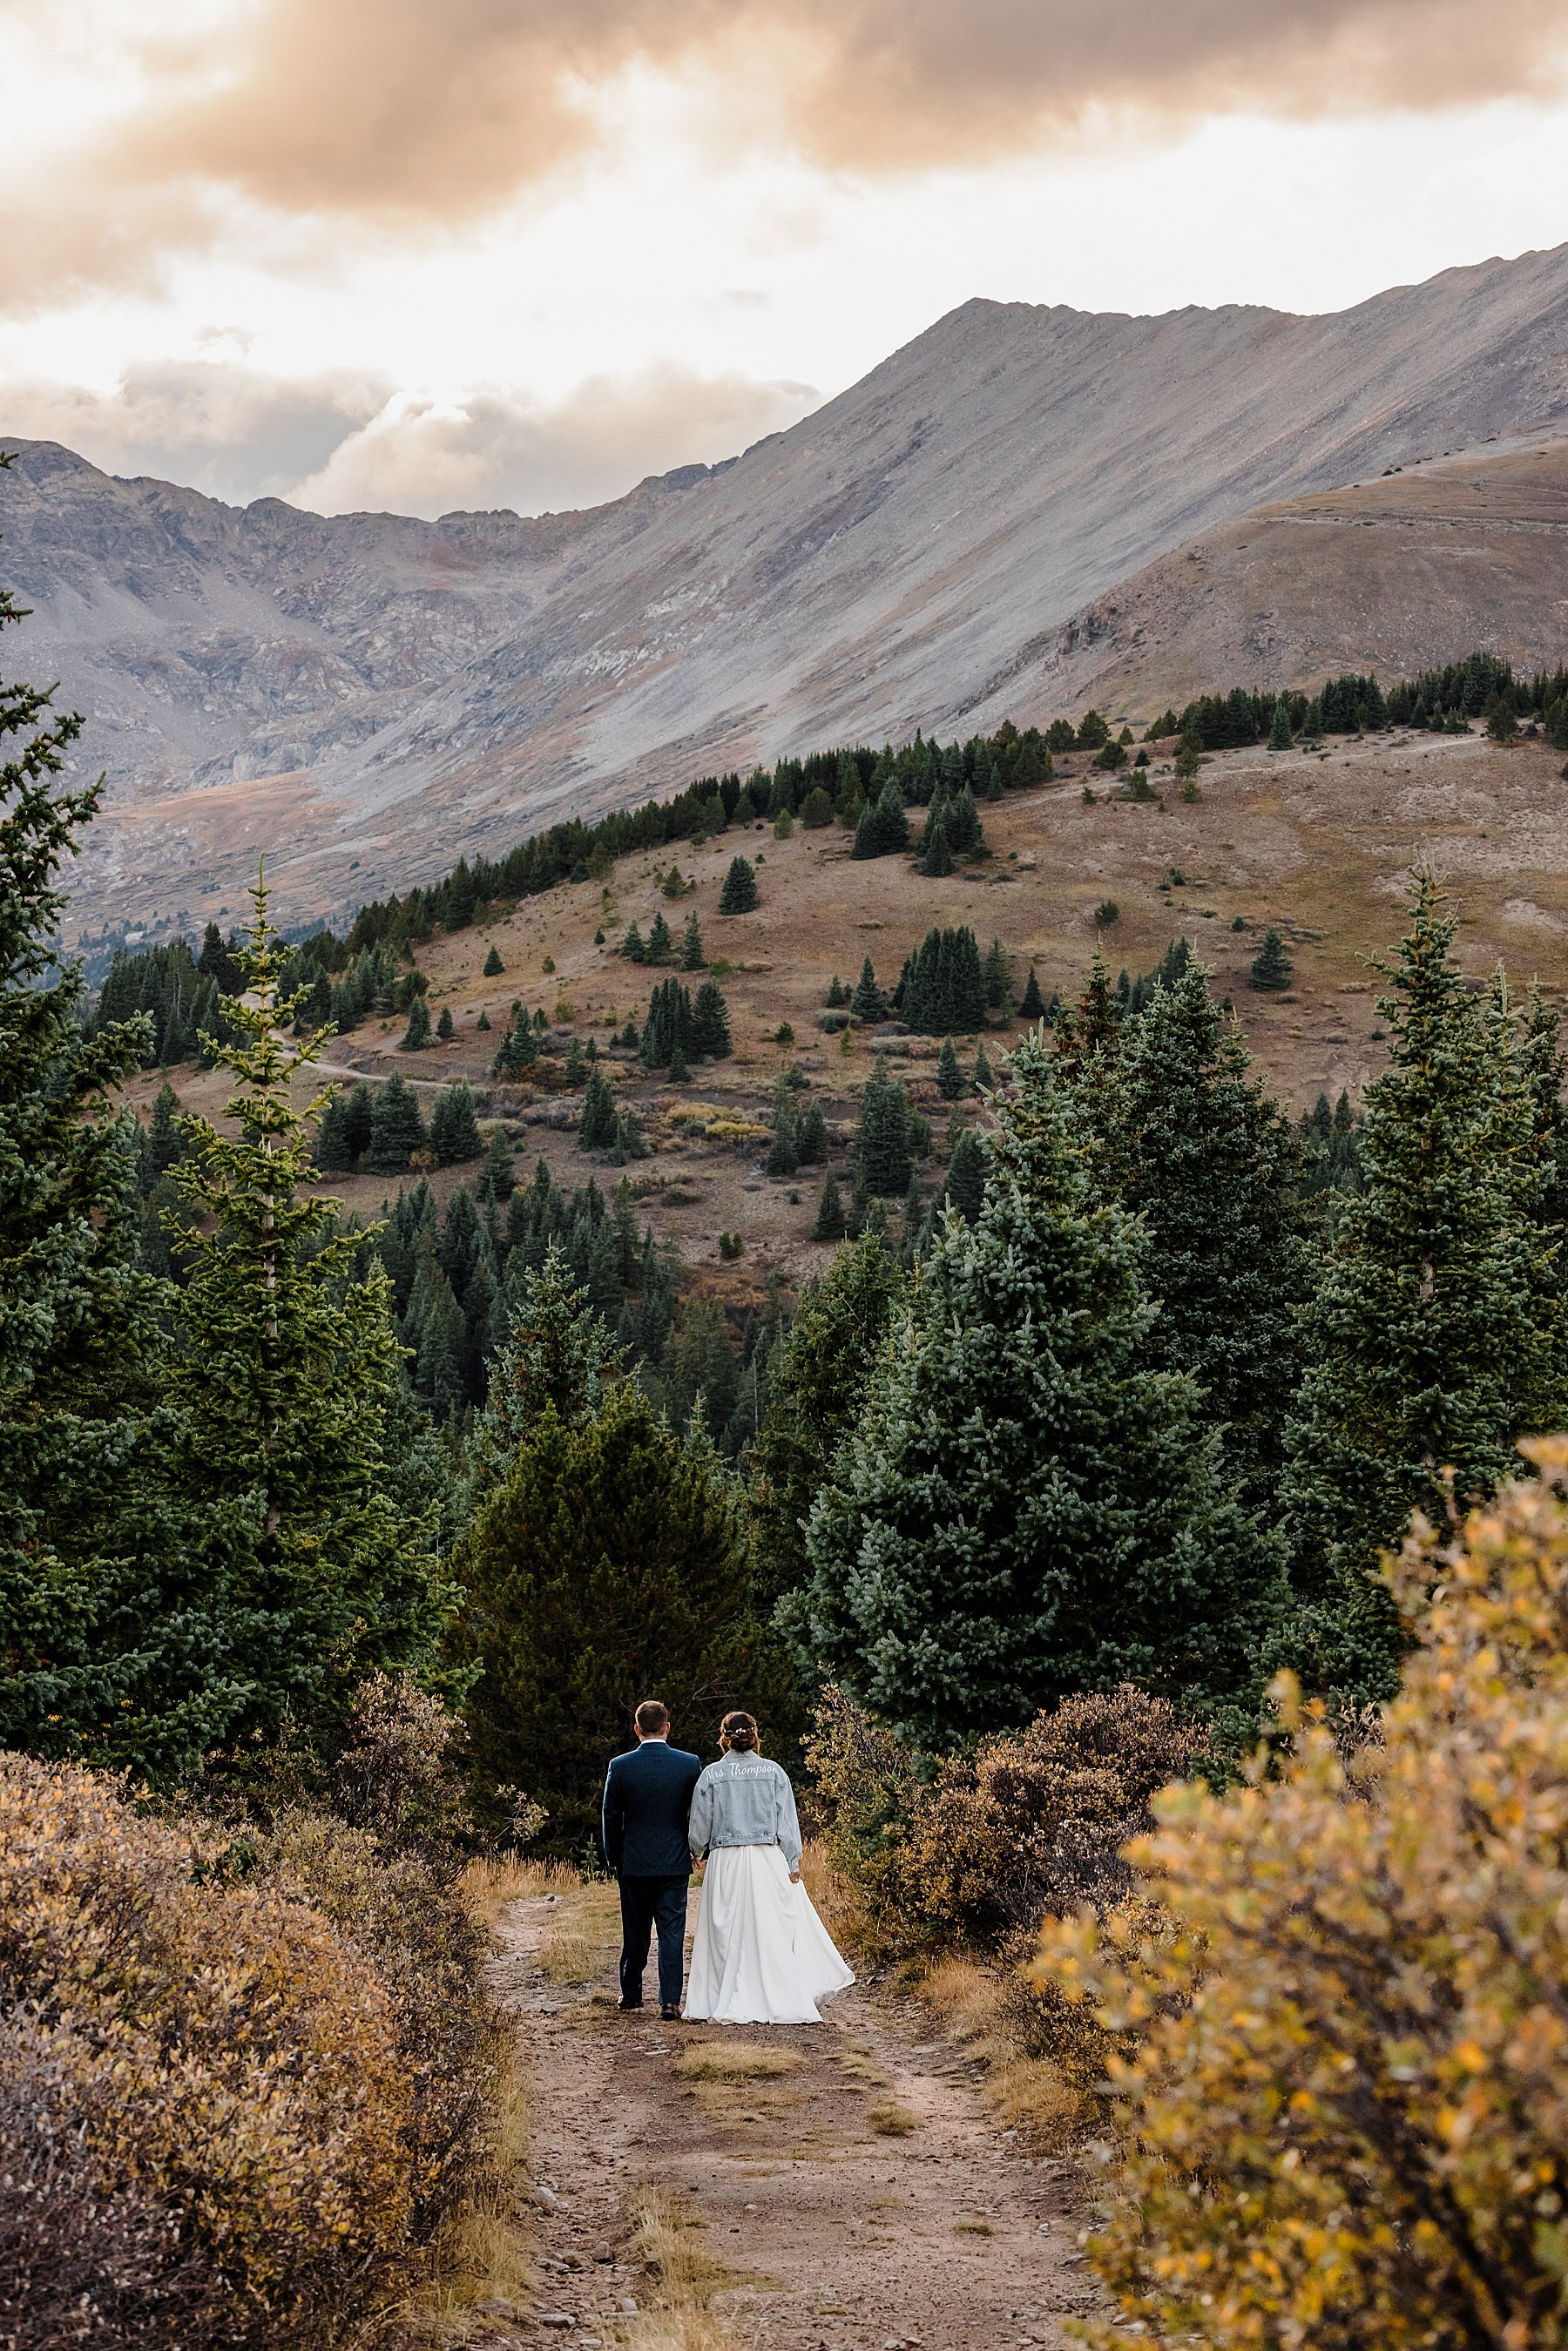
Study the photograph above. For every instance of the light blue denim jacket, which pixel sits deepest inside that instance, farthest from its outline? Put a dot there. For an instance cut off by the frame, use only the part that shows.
(745, 1800)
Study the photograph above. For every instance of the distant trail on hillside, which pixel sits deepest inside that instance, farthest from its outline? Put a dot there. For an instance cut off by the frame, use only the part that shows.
(366, 695)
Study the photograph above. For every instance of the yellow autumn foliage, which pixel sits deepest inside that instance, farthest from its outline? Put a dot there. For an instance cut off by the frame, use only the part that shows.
(222, 2063)
(1346, 2101)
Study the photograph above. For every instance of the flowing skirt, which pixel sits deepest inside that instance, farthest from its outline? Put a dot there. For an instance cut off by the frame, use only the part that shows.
(761, 1955)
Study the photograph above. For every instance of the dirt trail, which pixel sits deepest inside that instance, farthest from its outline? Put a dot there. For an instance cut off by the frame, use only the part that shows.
(944, 2233)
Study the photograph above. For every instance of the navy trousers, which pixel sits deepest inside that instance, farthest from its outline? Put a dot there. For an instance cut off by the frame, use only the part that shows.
(647, 1902)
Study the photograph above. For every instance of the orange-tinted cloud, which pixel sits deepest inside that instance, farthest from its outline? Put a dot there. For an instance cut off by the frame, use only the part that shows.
(436, 110)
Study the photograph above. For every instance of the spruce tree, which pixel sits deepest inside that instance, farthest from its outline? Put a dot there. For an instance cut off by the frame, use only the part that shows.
(1031, 1007)
(661, 945)
(692, 955)
(1279, 734)
(964, 1187)
(999, 980)
(632, 945)
(816, 1389)
(1187, 1138)
(497, 1178)
(416, 1036)
(710, 1023)
(950, 1080)
(812, 1143)
(738, 895)
(1434, 1347)
(868, 1003)
(838, 995)
(558, 1354)
(494, 967)
(829, 1224)
(612, 1561)
(286, 1363)
(397, 1129)
(937, 860)
(1024, 1511)
(983, 1072)
(882, 1150)
(784, 1157)
(454, 1126)
(1272, 969)
(596, 1128)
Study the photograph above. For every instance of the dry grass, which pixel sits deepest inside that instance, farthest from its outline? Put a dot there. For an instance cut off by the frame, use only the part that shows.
(860, 2067)
(737, 2061)
(668, 2240)
(972, 2003)
(483, 2256)
(891, 2120)
(489, 1884)
(836, 1902)
(581, 1941)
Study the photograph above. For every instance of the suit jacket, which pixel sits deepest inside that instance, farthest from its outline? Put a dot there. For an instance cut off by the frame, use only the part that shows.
(647, 1802)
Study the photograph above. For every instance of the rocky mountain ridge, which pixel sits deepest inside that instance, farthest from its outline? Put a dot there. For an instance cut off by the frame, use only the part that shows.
(365, 697)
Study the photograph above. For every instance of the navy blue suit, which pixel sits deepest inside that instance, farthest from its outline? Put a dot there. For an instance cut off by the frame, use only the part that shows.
(647, 1803)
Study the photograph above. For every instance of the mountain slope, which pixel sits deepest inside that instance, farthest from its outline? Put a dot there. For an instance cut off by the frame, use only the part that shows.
(368, 696)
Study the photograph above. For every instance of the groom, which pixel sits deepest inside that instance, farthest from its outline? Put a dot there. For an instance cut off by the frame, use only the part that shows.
(647, 1802)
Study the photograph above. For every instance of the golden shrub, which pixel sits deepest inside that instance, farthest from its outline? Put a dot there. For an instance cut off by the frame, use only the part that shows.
(228, 2060)
(1348, 2109)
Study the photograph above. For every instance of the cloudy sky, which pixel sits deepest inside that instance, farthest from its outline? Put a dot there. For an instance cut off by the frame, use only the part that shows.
(427, 254)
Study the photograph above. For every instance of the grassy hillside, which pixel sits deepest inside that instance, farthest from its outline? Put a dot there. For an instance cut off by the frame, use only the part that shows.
(1314, 844)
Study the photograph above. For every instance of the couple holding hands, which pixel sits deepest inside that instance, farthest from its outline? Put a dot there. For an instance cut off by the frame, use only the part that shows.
(761, 1955)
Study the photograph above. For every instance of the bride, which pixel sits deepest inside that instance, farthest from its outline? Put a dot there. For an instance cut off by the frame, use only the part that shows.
(761, 1955)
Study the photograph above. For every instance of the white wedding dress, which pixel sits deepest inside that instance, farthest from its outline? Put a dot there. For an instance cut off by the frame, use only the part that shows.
(761, 1955)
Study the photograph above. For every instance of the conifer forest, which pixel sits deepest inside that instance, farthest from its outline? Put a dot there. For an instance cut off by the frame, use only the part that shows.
(1133, 1505)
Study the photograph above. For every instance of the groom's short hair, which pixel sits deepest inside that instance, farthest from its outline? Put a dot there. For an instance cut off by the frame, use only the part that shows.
(652, 1717)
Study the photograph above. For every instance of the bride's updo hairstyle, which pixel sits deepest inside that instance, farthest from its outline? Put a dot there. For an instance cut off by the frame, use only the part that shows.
(737, 1734)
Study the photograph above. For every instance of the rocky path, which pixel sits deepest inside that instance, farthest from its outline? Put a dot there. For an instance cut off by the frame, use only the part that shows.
(861, 2197)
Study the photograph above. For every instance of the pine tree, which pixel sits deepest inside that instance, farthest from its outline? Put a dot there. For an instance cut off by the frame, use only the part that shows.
(661, 945)
(163, 1145)
(963, 827)
(868, 1003)
(614, 1561)
(812, 1143)
(950, 1079)
(483, 1023)
(818, 809)
(1433, 1345)
(455, 1128)
(558, 1354)
(983, 1073)
(632, 944)
(397, 1129)
(738, 895)
(416, 1036)
(1088, 1041)
(943, 986)
(881, 1152)
(286, 1363)
(1184, 1136)
(678, 1072)
(446, 1027)
(882, 829)
(784, 1157)
(829, 1224)
(937, 860)
(1031, 1007)
(1279, 734)
(815, 1388)
(1272, 969)
(494, 967)
(334, 1154)
(964, 1187)
(596, 1129)
(1023, 1510)
(497, 1178)
(999, 980)
(710, 1023)
(692, 955)
(838, 995)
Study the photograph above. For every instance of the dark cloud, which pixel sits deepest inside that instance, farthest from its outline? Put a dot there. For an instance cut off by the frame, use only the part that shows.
(338, 441)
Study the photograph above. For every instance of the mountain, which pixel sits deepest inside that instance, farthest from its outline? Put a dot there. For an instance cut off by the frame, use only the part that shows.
(365, 697)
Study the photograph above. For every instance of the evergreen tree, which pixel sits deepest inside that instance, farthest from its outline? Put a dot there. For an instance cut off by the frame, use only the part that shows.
(818, 809)
(630, 1143)
(937, 858)
(596, 1129)
(416, 1036)
(829, 1224)
(661, 945)
(962, 825)
(614, 1561)
(1188, 1139)
(868, 1003)
(1272, 968)
(397, 1129)
(1087, 1041)
(1024, 1511)
(983, 1076)
(454, 1126)
(1279, 734)
(632, 944)
(881, 1152)
(163, 1147)
(498, 1179)
(1434, 1345)
(964, 1187)
(668, 1030)
(558, 1355)
(1031, 1007)
(999, 981)
(494, 967)
(812, 1142)
(692, 955)
(942, 987)
(445, 1027)
(678, 1072)
(483, 1023)
(950, 1079)
(784, 1157)
(838, 995)
(710, 1023)
(285, 1368)
(816, 1389)
(738, 895)
(882, 829)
